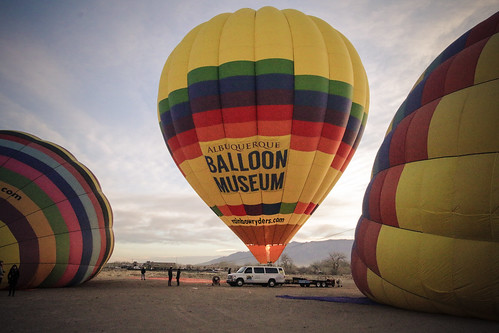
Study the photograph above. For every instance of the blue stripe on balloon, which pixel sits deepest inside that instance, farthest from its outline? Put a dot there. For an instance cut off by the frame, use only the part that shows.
(382, 161)
(237, 84)
(275, 81)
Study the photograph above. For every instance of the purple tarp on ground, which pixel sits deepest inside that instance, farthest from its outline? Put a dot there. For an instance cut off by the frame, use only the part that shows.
(355, 300)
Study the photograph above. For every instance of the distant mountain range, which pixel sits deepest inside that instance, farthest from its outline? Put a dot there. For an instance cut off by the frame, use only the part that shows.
(302, 254)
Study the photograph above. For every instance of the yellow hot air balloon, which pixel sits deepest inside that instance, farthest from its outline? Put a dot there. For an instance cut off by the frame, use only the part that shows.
(262, 111)
(428, 237)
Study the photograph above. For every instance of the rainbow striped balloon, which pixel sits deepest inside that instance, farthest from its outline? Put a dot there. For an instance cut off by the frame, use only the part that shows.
(55, 222)
(262, 112)
(428, 237)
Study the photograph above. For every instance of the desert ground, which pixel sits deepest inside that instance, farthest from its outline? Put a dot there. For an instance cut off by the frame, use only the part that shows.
(118, 301)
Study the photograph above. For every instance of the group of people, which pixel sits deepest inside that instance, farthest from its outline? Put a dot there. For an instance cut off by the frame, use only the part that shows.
(170, 275)
(12, 277)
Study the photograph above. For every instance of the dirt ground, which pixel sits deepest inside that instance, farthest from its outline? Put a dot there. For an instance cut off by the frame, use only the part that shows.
(121, 302)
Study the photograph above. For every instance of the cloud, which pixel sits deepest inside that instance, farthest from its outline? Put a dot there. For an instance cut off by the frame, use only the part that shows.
(227, 250)
(173, 218)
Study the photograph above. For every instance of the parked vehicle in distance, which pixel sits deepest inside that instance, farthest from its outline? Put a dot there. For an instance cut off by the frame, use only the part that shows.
(318, 282)
(263, 275)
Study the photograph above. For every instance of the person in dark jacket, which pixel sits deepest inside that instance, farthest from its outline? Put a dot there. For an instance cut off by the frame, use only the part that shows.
(178, 276)
(1, 271)
(170, 276)
(12, 278)
(143, 272)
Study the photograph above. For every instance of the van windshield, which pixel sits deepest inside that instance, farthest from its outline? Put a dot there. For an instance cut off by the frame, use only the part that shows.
(241, 270)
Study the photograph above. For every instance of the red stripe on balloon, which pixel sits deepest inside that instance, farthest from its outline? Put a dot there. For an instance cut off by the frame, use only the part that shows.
(461, 72)
(274, 128)
(173, 144)
(307, 128)
(375, 196)
(359, 270)
(333, 132)
(187, 138)
(310, 208)
(193, 151)
(275, 112)
(416, 145)
(397, 143)
(207, 118)
(435, 83)
(304, 143)
(237, 210)
(241, 130)
(366, 240)
(484, 29)
(210, 133)
(388, 195)
(300, 208)
(328, 146)
(239, 114)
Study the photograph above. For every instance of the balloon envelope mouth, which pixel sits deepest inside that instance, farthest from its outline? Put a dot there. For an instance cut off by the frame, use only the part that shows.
(266, 254)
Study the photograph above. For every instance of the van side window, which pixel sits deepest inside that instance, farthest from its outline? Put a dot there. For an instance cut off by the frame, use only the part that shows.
(248, 270)
(259, 270)
(270, 270)
(281, 271)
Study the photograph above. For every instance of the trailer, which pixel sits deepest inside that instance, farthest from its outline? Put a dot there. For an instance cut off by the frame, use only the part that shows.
(304, 282)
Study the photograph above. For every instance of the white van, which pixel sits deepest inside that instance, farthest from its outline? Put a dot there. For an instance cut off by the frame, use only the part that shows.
(264, 275)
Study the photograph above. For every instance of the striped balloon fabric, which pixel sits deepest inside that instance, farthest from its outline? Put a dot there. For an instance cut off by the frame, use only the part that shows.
(428, 237)
(55, 222)
(262, 112)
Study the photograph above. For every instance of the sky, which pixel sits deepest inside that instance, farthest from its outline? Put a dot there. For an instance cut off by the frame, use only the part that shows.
(85, 75)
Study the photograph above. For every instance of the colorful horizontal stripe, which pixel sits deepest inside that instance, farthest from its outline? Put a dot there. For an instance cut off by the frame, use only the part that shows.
(56, 222)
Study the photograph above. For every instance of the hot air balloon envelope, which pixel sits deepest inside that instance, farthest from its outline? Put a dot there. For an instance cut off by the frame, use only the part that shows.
(55, 222)
(428, 236)
(262, 111)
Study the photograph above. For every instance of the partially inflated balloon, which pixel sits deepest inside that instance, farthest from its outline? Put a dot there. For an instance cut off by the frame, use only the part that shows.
(55, 222)
(262, 111)
(428, 238)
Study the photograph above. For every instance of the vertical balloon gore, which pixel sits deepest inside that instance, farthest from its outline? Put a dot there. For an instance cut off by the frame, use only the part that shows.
(262, 112)
(55, 222)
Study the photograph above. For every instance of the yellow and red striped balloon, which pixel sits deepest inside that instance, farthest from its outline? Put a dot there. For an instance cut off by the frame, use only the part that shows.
(262, 111)
(55, 222)
(428, 237)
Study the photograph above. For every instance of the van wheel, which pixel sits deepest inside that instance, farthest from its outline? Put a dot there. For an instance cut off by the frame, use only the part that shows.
(323, 285)
(271, 283)
(239, 282)
(317, 284)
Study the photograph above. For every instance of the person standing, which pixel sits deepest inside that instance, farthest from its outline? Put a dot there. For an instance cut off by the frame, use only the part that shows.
(1, 271)
(170, 276)
(178, 277)
(12, 278)
(143, 273)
